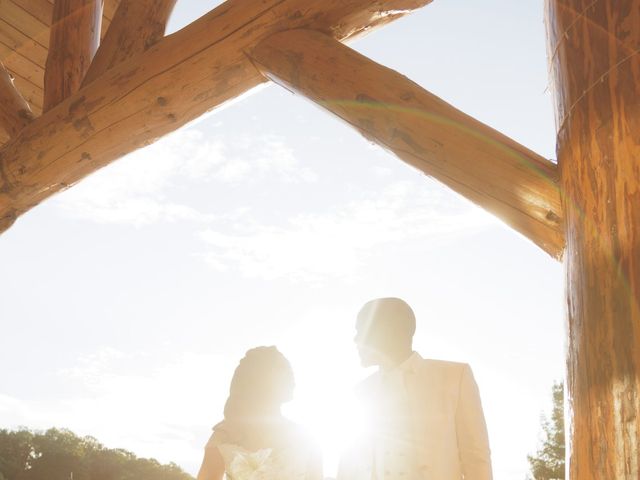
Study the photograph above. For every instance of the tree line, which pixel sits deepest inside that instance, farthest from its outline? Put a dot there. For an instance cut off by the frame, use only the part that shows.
(59, 454)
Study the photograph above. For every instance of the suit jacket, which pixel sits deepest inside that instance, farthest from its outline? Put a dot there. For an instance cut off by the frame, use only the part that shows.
(446, 417)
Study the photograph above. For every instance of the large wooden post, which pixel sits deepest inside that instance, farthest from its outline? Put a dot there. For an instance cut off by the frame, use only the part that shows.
(75, 36)
(595, 60)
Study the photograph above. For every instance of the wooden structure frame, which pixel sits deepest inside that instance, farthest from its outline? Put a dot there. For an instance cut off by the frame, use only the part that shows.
(83, 82)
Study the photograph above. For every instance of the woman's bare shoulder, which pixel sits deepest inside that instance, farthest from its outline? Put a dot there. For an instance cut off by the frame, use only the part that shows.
(222, 434)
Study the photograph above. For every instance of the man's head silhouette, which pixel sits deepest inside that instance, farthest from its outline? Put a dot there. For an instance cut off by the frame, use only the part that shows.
(384, 332)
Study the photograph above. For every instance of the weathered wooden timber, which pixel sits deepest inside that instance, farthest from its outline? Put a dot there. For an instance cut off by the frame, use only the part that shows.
(595, 60)
(74, 39)
(136, 26)
(15, 113)
(473, 159)
(153, 93)
(24, 43)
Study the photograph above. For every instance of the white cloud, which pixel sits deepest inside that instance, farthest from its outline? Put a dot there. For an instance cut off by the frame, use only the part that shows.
(382, 172)
(275, 155)
(139, 188)
(314, 247)
(160, 184)
(13, 409)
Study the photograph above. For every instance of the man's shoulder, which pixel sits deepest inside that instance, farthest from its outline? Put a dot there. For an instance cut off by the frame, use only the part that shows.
(442, 370)
(427, 367)
(443, 364)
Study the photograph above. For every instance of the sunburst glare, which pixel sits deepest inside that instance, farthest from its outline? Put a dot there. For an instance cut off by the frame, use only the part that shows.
(327, 372)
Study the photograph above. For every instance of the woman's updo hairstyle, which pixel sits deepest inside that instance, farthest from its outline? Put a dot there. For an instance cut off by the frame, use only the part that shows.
(261, 383)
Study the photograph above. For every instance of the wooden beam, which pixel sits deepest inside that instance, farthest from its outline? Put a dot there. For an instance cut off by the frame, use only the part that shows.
(23, 21)
(110, 8)
(75, 35)
(20, 44)
(43, 11)
(595, 62)
(21, 66)
(476, 161)
(178, 79)
(15, 113)
(40, 9)
(137, 25)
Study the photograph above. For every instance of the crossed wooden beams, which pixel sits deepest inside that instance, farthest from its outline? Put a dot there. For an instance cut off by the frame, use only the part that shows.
(142, 85)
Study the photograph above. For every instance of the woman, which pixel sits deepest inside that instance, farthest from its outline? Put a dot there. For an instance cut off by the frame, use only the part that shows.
(254, 441)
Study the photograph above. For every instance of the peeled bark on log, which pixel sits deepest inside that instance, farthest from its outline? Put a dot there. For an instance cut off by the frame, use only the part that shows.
(15, 113)
(594, 52)
(137, 25)
(149, 95)
(75, 35)
(476, 161)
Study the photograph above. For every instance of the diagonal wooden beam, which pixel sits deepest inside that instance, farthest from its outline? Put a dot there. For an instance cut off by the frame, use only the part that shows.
(136, 26)
(473, 159)
(15, 113)
(178, 79)
(74, 39)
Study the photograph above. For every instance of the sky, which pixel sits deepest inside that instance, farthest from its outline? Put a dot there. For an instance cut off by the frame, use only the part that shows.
(128, 300)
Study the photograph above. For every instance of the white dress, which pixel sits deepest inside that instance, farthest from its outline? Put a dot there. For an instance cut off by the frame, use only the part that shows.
(264, 464)
(290, 455)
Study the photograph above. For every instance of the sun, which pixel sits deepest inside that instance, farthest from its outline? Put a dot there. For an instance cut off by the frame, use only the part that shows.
(325, 402)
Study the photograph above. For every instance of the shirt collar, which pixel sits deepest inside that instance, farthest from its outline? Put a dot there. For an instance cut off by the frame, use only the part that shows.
(410, 365)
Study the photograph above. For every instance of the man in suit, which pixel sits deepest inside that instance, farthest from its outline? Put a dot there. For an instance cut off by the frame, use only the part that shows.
(427, 421)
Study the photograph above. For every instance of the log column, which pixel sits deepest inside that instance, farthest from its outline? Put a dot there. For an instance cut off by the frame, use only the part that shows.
(136, 26)
(595, 64)
(74, 39)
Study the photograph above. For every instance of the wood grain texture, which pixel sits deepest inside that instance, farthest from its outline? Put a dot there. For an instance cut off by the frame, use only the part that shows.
(75, 35)
(15, 113)
(176, 80)
(594, 51)
(476, 161)
(20, 19)
(40, 9)
(109, 8)
(20, 44)
(136, 26)
(24, 41)
(22, 66)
